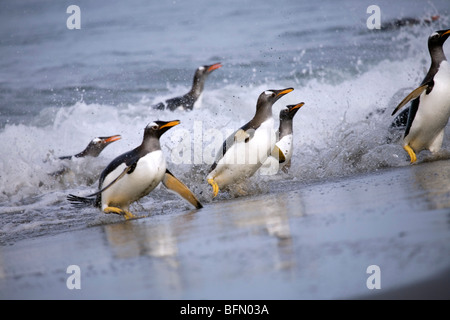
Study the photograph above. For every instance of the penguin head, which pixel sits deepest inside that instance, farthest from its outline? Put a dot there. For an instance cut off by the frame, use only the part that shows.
(97, 145)
(200, 76)
(269, 97)
(204, 71)
(157, 128)
(438, 38)
(290, 111)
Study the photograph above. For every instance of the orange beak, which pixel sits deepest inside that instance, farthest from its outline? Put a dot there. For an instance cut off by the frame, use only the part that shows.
(112, 138)
(215, 66)
(170, 124)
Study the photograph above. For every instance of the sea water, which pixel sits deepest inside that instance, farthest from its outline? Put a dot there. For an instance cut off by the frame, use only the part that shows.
(61, 87)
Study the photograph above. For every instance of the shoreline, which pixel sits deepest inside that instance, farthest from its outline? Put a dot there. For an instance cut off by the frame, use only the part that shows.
(315, 241)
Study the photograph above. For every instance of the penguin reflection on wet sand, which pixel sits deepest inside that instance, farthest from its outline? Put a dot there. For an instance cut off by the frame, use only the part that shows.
(280, 158)
(244, 151)
(193, 97)
(429, 111)
(134, 175)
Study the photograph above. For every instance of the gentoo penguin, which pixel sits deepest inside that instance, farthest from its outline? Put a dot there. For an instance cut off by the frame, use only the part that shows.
(94, 147)
(407, 22)
(134, 174)
(430, 108)
(280, 157)
(193, 97)
(244, 151)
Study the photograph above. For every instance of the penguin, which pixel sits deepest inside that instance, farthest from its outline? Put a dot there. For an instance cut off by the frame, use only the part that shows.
(408, 22)
(191, 99)
(95, 147)
(280, 157)
(429, 111)
(245, 150)
(134, 174)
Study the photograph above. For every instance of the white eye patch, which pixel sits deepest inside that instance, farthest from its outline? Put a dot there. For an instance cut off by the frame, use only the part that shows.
(201, 68)
(268, 93)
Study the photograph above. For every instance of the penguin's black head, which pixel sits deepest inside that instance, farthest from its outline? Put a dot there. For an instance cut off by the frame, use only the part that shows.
(97, 145)
(269, 97)
(204, 71)
(290, 112)
(438, 38)
(157, 128)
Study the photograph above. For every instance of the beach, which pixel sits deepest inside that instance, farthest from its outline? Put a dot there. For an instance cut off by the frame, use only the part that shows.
(352, 219)
(297, 242)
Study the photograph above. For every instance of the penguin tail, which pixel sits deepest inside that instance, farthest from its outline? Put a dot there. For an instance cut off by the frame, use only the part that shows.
(159, 106)
(81, 202)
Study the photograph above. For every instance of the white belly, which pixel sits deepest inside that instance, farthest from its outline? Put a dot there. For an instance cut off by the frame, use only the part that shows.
(243, 159)
(146, 176)
(198, 102)
(272, 164)
(432, 116)
(285, 145)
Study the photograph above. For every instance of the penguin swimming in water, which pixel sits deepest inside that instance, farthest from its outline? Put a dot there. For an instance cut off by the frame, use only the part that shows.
(190, 99)
(95, 147)
(280, 158)
(408, 22)
(429, 111)
(134, 174)
(244, 151)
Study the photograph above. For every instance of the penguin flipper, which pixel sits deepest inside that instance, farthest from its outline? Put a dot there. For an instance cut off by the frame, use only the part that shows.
(128, 169)
(413, 95)
(172, 183)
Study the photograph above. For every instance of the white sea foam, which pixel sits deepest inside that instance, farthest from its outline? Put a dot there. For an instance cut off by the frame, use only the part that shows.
(333, 135)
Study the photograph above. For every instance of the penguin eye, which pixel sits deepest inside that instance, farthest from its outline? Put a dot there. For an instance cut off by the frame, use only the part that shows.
(273, 95)
(155, 127)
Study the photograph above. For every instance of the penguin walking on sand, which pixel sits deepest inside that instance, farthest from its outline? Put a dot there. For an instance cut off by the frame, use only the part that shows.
(280, 157)
(193, 97)
(94, 148)
(244, 151)
(429, 111)
(134, 174)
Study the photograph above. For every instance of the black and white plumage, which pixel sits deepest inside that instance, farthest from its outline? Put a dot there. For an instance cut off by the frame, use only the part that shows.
(193, 97)
(429, 112)
(244, 151)
(134, 174)
(280, 157)
(95, 147)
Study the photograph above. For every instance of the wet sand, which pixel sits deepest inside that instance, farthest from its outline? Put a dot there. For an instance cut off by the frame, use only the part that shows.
(297, 242)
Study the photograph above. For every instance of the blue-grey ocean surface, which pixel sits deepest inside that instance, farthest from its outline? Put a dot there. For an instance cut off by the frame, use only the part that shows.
(59, 88)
